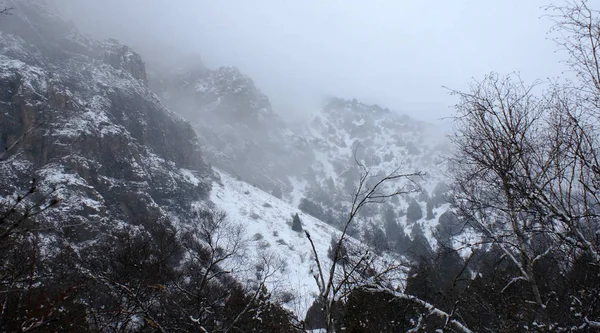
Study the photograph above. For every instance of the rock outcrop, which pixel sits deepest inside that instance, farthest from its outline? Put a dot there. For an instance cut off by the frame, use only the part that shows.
(76, 114)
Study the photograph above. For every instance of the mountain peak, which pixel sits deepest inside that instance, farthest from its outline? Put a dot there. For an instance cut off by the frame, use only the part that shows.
(121, 56)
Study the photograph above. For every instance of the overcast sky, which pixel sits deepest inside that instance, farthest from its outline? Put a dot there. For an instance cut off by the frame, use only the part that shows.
(395, 53)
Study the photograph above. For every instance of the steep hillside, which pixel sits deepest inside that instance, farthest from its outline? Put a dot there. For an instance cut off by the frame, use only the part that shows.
(237, 128)
(268, 236)
(77, 116)
(347, 131)
(313, 166)
(103, 192)
(267, 222)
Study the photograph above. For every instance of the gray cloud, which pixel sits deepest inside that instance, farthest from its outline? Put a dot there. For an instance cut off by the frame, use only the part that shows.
(395, 53)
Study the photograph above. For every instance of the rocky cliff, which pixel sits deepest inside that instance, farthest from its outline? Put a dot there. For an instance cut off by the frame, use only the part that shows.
(77, 115)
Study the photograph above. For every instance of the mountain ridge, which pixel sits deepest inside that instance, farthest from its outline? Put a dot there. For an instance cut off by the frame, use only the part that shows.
(82, 120)
(312, 166)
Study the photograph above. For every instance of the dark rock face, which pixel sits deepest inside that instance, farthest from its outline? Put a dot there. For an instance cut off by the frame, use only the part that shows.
(76, 114)
(122, 57)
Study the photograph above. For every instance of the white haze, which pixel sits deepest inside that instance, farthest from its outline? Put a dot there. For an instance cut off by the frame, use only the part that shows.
(398, 54)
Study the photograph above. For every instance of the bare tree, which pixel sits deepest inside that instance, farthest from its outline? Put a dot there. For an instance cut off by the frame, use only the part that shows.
(577, 30)
(21, 208)
(213, 252)
(496, 139)
(215, 242)
(527, 167)
(212, 247)
(355, 266)
(269, 266)
(329, 286)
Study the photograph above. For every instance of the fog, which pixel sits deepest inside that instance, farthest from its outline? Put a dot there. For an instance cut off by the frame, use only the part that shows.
(398, 54)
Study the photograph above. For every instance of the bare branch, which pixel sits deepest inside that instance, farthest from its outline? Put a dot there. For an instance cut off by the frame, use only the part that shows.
(431, 310)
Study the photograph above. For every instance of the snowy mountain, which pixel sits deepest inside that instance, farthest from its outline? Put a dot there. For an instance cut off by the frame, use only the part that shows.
(312, 165)
(176, 199)
(267, 221)
(236, 126)
(80, 117)
(382, 141)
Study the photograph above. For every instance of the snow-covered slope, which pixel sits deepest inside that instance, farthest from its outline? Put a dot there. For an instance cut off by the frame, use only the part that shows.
(78, 115)
(312, 165)
(379, 138)
(267, 222)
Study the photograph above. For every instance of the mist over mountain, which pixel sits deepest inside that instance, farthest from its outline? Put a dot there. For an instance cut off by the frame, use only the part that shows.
(312, 164)
(147, 186)
(388, 53)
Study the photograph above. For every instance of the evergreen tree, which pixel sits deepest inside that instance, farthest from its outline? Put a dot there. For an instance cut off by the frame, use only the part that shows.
(429, 207)
(419, 247)
(314, 316)
(380, 242)
(413, 212)
(296, 223)
(391, 226)
(376, 312)
(403, 242)
(440, 194)
(420, 281)
(448, 225)
(312, 209)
